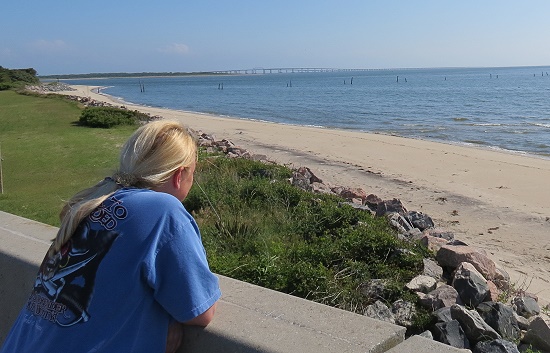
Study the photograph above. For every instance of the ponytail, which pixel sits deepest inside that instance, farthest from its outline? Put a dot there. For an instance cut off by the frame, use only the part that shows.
(148, 159)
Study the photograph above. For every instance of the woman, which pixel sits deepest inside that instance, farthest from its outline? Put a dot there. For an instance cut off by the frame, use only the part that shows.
(127, 262)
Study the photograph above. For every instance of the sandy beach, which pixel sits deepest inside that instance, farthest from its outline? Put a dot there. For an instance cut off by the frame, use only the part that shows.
(493, 200)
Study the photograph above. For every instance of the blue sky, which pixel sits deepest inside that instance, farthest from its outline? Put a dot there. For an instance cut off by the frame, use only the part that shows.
(61, 37)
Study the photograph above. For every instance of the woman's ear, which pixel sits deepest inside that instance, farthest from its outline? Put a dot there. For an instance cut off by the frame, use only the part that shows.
(177, 177)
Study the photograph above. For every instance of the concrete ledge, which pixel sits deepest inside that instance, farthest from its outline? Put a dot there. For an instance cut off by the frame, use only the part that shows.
(264, 320)
(249, 318)
(424, 345)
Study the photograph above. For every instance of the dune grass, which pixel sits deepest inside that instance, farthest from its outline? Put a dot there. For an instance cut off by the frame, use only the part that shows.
(47, 157)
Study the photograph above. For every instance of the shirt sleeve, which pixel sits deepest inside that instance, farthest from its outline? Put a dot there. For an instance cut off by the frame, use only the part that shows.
(181, 278)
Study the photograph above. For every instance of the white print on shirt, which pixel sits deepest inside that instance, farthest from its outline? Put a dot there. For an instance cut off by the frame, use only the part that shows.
(108, 214)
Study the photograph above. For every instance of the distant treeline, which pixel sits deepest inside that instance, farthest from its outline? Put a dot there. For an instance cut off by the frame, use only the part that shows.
(10, 78)
(126, 74)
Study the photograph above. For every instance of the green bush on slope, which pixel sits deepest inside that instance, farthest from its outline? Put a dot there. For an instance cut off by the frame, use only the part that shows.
(260, 229)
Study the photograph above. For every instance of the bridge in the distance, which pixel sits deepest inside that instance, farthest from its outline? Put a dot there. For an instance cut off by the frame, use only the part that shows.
(261, 70)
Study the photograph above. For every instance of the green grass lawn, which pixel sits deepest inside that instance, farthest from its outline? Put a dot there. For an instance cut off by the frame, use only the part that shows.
(47, 157)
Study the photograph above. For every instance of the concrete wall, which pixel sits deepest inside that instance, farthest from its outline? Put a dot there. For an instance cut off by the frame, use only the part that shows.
(248, 318)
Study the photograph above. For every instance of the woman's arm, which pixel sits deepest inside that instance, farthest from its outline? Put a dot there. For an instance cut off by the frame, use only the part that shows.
(204, 318)
(175, 330)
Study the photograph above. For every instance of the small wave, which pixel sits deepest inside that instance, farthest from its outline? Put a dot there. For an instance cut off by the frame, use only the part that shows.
(540, 125)
(475, 142)
(486, 124)
(460, 119)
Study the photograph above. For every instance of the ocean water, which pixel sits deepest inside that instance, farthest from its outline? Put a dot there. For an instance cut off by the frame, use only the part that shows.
(501, 108)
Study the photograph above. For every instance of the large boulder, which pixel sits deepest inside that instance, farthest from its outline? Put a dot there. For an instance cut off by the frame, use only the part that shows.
(495, 346)
(399, 222)
(451, 333)
(422, 283)
(403, 312)
(433, 243)
(439, 233)
(380, 311)
(526, 306)
(390, 206)
(473, 325)
(453, 255)
(501, 318)
(440, 297)
(538, 334)
(420, 220)
(443, 314)
(432, 269)
(470, 285)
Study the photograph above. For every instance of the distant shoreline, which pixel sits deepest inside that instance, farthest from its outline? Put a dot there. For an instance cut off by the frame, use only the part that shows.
(98, 76)
(104, 75)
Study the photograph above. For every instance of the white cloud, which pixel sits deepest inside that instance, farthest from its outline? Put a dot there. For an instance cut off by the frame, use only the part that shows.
(48, 45)
(176, 48)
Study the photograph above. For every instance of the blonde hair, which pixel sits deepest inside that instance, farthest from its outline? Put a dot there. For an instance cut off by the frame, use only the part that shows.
(148, 159)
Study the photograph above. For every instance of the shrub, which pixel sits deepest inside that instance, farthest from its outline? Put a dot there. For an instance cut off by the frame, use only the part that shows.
(5, 86)
(107, 117)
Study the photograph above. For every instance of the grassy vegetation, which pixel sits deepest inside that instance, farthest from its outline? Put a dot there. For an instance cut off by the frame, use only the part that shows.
(256, 226)
(47, 157)
(259, 228)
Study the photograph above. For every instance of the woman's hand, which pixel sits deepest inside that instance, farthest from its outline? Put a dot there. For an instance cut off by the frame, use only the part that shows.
(175, 337)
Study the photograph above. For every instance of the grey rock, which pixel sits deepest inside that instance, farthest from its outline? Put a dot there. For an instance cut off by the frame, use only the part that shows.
(439, 233)
(420, 220)
(432, 269)
(308, 174)
(414, 233)
(320, 188)
(422, 283)
(300, 181)
(380, 311)
(443, 314)
(470, 284)
(403, 312)
(389, 206)
(538, 334)
(495, 346)
(399, 222)
(473, 325)
(451, 333)
(427, 334)
(373, 289)
(523, 323)
(500, 317)
(355, 205)
(526, 306)
(440, 297)
(372, 201)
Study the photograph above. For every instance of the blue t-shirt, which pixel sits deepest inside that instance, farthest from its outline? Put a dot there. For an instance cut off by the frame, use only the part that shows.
(132, 266)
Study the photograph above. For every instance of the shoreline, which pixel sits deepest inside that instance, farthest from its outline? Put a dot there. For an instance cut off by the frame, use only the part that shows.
(120, 101)
(468, 144)
(496, 200)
